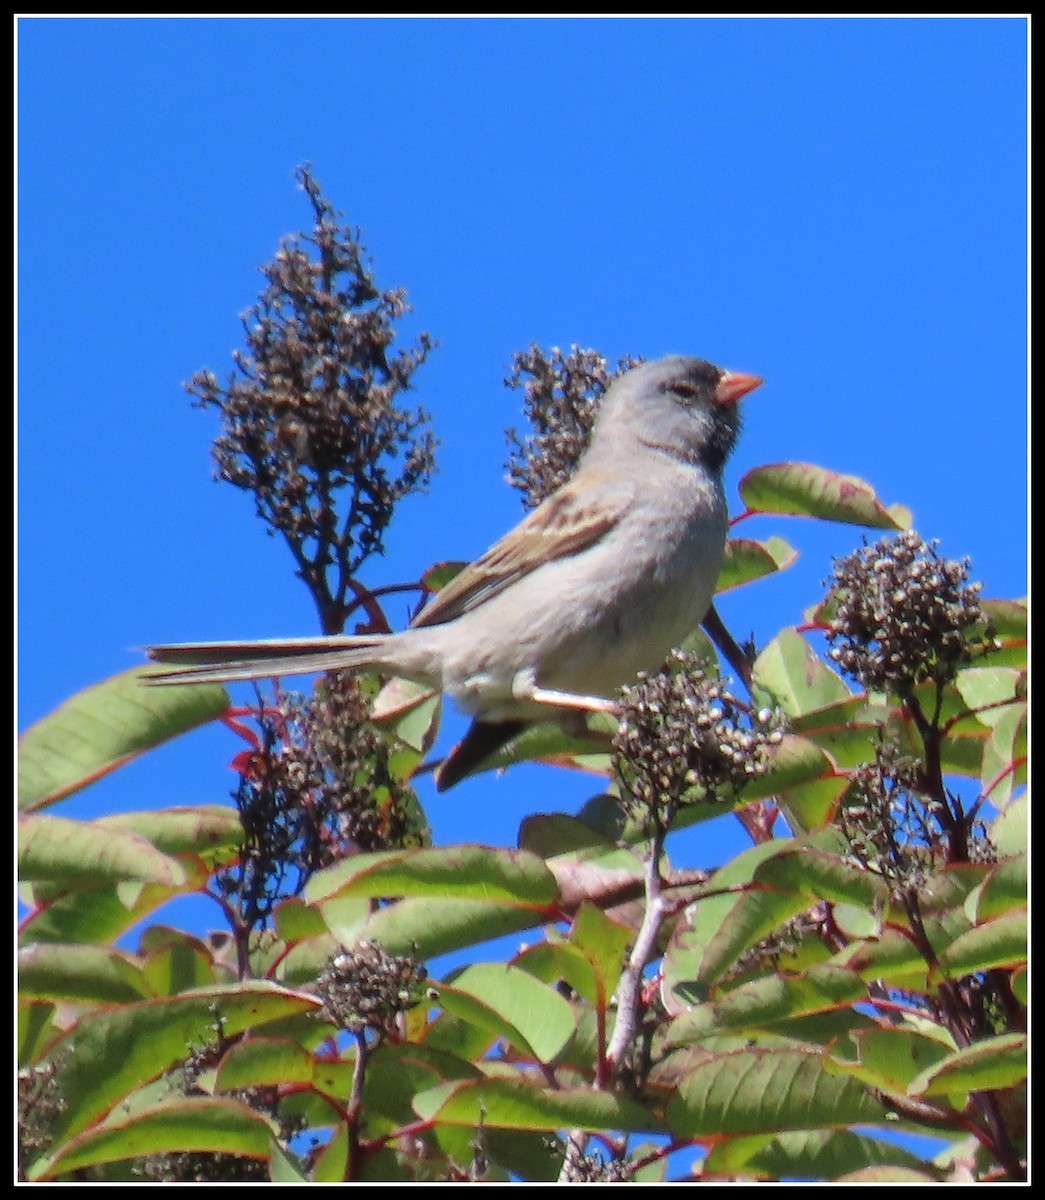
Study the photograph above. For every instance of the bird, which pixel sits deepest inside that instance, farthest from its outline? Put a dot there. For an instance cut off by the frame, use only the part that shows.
(596, 585)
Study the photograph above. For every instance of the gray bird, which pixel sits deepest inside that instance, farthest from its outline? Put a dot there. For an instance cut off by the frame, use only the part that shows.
(598, 583)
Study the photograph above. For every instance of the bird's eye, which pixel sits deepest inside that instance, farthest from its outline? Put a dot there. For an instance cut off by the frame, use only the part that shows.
(683, 387)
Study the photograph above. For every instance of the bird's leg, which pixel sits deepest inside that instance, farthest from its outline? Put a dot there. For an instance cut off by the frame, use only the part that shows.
(524, 687)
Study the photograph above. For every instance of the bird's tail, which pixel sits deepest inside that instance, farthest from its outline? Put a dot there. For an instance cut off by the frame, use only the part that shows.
(226, 662)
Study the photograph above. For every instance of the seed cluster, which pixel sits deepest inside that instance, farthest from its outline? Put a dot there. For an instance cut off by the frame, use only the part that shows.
(902, 614)
(312, 408)
(680, 730)
(898, 831)
(365, 988)
(318, 788)
(562, 394)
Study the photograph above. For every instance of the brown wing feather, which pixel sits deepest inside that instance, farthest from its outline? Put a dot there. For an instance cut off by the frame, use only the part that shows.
(568, 522)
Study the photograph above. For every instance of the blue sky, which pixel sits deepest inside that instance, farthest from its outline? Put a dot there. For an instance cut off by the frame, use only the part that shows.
(838, 205)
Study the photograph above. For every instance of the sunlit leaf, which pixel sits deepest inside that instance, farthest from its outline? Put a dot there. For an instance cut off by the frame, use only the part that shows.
(769, 999)
(445, 872)
(998, 943)
(117, 1049)
(429, 927)
(803, 489)
(207, 1123)
(890, 1058)
(789, 673)
(525, 1011)
(70, 852)
(1004, 889)
(747, 560)
(758, 1090)
(87, 973)
(101, 728)
(815, 1154)
(504, 1103)
(997, 1062)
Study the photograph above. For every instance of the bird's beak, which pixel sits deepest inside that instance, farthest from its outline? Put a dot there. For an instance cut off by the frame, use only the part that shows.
(734, 385)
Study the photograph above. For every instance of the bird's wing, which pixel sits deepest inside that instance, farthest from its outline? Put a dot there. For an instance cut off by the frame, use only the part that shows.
(571, 520)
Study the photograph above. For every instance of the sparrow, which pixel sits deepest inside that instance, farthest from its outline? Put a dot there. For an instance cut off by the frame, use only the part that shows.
(597, 584)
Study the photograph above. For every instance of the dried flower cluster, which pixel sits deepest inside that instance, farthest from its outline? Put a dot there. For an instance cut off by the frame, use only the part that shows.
(562, 394)
(894, 829)
(885, 821)
(365, 988)
(312, 413)
(679, 731)
(202, 1166)
(593, 1168)
(903, 615)
(39, 1105)
(318, 788)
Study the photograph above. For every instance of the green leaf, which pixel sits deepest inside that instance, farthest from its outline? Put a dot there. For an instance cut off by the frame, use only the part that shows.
(396, 1073)
(1005, 754)
(284, 1167)
(175, 961)
(193, 1123)
(1004, 889)
(759, 1090)
(789, 673)
(988, 690)
(746, 560)
(35, 1028)
(890, 1058)
(68, 852)
(558, 835)
(794, 761)
(108, 1053)
(822, 876)
(889, 1174)
(92, 974)
(1009, 618)
(440, 574)
(815, 1154)
(504, 1103)
(747, 919)
(847, 730)
(549, 742)
(716, 930)
(97, 914)
(296, 920)
(998, 1062)
(604, 943)
(892, 958)
(802, 489)
(446, 872)
(810, 805)
(1010, 829)
(101, 728)
(331, 1163)
(556, 961)
(512, 1004)
(771, 998)
(263, 1060)
(999, 943)
(428, 927)
(208, 831)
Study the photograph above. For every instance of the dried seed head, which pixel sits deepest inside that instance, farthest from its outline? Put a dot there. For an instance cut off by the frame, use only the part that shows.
(365, 988)
(903, 615)
(562, 394)
(679, 731)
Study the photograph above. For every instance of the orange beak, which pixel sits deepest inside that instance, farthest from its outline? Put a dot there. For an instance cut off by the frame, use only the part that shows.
(734, 385)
